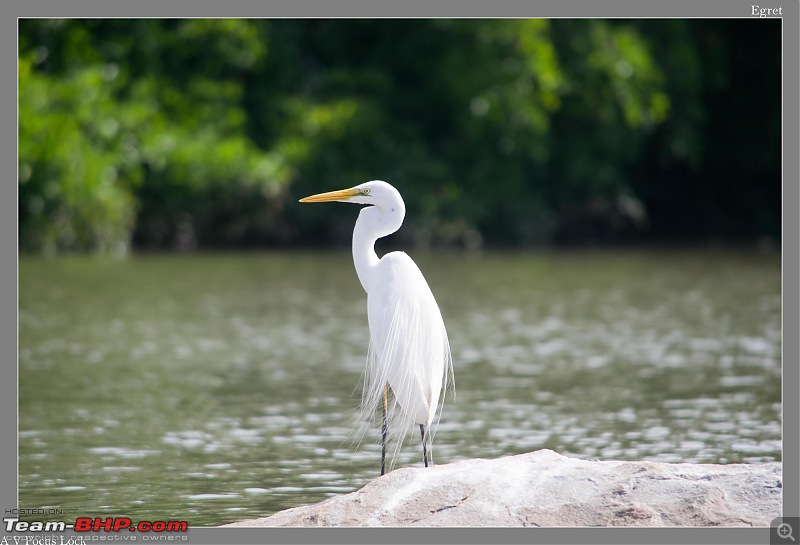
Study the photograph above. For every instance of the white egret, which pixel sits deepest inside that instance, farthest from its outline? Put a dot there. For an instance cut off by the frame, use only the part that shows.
(408, 349)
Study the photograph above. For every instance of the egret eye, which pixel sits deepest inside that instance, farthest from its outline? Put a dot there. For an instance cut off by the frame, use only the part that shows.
(365, 191)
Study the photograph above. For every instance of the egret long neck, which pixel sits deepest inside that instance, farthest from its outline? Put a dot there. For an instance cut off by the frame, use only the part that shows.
(364, 237)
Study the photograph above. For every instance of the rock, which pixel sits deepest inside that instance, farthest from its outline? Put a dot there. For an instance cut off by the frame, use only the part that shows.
(544, 488)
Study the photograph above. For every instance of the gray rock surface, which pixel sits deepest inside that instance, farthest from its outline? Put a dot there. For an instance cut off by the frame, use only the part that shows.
(544, 488)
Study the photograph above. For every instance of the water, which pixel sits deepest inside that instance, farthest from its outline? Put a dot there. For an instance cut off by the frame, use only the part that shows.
(215, 388)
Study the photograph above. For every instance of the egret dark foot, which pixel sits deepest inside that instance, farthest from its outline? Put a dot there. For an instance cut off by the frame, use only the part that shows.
(384, 432)
(424, 445)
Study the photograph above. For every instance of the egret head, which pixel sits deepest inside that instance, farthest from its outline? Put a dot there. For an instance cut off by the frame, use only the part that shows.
(375, 193)
(382, 218)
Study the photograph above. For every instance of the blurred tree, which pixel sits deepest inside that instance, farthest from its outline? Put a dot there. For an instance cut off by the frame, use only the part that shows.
(713, 169)
(120, 117)
(488, 127)
(186, 133)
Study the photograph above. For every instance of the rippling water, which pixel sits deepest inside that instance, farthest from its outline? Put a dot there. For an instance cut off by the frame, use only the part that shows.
(214, 388)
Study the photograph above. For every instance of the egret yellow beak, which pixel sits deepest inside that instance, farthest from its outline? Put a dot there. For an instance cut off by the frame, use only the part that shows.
(341, 195)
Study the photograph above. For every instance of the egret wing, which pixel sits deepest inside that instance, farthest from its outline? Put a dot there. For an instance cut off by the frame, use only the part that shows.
(408, 341)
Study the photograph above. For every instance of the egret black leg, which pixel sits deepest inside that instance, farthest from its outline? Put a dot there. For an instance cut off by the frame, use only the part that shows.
(384, 431)
(424, 444)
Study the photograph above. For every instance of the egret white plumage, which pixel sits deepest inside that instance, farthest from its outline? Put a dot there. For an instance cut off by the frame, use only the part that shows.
(409, 349)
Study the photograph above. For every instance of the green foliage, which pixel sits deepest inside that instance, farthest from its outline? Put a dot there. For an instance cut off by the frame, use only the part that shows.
(76, 167)
(204, 132)
(114, 123)
(468, 113)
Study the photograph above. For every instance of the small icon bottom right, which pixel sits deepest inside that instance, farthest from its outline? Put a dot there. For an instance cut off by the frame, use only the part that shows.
(782, 530)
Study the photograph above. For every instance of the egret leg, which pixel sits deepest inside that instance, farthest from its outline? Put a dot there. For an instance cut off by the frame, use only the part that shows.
(424, 444)
(384, 432)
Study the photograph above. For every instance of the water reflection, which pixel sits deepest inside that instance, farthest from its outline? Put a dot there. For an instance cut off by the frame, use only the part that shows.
(214, 388)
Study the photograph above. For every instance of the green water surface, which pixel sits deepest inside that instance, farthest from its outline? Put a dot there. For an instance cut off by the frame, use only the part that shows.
(219, 387)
